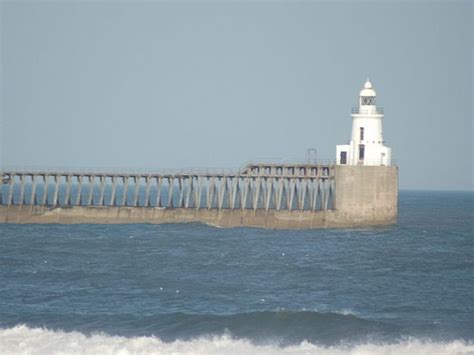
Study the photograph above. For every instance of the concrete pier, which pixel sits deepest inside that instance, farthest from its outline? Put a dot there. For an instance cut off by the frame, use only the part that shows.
(260, 195)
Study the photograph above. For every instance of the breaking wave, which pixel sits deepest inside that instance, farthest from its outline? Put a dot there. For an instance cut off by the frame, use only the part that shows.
(278, 327)
(24, 340)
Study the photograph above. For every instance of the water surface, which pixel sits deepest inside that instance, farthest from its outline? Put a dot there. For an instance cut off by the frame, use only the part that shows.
(195, 288)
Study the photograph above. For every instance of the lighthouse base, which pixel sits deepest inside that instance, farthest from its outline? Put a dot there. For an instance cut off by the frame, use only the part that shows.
(367, 193)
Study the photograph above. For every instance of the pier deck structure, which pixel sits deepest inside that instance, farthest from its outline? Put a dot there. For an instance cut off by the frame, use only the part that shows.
(279, 196)
(289, 187)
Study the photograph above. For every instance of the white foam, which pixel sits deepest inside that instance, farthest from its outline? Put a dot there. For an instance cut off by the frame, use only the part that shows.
(24, 340)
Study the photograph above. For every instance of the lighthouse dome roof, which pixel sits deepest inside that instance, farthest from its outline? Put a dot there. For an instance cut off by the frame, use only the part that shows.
(367, 90)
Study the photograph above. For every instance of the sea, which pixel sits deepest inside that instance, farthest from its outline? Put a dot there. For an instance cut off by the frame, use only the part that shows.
(196, 289)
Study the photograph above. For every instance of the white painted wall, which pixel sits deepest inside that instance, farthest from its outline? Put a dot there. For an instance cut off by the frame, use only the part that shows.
(368, 117)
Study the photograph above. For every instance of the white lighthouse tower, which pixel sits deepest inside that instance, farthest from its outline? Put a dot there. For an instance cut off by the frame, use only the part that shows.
(367, 145)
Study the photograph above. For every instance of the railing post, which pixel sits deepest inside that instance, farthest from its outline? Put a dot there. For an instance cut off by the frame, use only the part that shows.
(292, 186)
(189, 193)
(147, 191)
(114, 188)
(45, 192)
(125, 190)
(235, 191)
(158, 193)
(198, 192)
(230, 189)
(102, 189)
(136, 192)
(304, 186)
(256, 193)
(79, 191)
(10, 190)
(269, 193)
(90, 200)
(67, 198)
(281, 191)
(210, 192)
(245, 193)
(264, 190)
(222, 192)
(181, 192)
(33, 190)
(170, 192)
(22, 189)
(57, 179)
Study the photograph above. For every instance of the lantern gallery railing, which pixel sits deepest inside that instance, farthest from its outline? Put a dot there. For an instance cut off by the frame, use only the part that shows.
(371, 110)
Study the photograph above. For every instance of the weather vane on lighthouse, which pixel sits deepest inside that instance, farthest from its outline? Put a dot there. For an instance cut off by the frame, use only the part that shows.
(366, 146)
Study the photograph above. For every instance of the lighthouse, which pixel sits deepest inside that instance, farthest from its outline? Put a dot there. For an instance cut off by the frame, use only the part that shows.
(366, 146)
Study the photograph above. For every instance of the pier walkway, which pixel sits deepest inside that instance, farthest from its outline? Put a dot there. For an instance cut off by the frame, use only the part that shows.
(286, 187)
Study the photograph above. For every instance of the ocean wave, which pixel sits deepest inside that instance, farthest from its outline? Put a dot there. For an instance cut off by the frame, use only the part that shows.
(24, 340)
(282, 327)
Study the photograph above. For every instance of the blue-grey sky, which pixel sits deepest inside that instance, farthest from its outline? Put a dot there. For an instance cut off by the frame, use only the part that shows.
(217, 84)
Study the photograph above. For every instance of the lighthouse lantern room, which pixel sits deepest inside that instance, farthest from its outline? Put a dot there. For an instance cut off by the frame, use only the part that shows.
(366, 146)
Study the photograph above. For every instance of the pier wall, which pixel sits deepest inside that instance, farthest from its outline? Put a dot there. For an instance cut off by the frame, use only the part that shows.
(269, 197)
(366, 194)
(155, 215)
